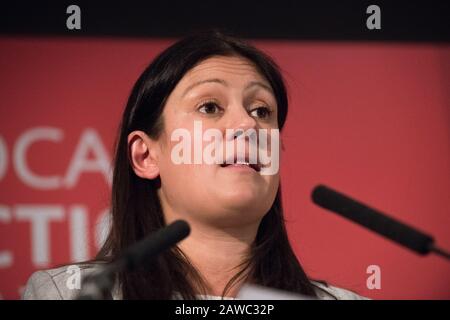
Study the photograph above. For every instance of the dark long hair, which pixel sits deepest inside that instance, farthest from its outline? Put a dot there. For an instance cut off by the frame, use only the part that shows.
(136, 209)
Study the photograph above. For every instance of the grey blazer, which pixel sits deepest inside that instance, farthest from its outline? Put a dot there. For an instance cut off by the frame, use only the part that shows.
(56, 284)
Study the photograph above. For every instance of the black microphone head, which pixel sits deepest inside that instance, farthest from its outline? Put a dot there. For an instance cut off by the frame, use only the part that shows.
(156, 242)
(372, 219)
(180, 228)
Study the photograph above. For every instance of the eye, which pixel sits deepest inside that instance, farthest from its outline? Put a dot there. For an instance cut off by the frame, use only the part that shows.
(210, 107)
(261, 112)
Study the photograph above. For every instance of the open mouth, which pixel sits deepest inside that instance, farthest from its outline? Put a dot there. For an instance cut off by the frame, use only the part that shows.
(253, 166)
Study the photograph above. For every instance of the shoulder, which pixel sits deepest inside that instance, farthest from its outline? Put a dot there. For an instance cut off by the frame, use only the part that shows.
(58, 283)
(328, 292)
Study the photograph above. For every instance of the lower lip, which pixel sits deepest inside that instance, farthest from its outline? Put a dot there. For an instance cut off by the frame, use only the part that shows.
(240, 168)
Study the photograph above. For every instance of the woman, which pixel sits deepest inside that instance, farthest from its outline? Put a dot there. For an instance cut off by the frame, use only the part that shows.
(235, 214)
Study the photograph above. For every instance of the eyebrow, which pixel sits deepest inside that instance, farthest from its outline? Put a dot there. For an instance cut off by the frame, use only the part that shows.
(215, 80)
(224, 83)
(259, 84)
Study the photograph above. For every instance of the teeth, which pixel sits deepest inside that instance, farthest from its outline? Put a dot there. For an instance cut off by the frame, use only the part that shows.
(244, 163)
(255, 167)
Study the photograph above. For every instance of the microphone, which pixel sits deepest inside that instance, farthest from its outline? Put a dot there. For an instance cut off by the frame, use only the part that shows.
(99, 285)
(154, 244)
(376, 221)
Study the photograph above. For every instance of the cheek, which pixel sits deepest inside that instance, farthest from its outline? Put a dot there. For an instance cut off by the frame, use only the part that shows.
(184, 182)
(270, 190)
(273, 182)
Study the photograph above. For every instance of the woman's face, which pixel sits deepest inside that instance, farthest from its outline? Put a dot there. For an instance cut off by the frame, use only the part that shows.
(221, 93)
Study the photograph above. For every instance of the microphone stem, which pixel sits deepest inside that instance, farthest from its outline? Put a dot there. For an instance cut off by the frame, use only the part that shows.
(440, 252)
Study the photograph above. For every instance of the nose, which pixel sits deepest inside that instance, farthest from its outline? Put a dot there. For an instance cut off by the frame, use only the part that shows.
(240, 120)
(241, 123)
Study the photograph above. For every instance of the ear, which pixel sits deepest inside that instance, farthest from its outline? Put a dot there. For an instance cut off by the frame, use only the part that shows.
(143, 155)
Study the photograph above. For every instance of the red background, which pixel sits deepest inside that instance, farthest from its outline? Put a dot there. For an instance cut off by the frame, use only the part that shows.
(369, 119)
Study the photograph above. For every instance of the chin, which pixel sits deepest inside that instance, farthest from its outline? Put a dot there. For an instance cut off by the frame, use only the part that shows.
(243, 199)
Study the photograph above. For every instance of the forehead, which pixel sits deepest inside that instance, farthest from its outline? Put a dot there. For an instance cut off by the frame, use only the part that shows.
(236, 69)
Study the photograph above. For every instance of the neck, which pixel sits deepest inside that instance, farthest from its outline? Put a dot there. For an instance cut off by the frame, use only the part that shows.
(216, 251)
(217, 254)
